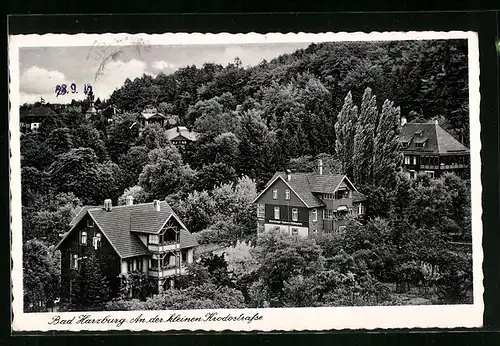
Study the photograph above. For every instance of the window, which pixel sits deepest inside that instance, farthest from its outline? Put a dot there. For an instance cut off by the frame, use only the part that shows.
(73, 261)
(275, 193)
(260, 210)
(315, 214)
(328, 214)
(343, 193)
(277, 213)
(295, 214)
(153, 239)
(90, 223)
(287, 194)
(153, 263)
(84, 238)
(96, 241)
(407, 159)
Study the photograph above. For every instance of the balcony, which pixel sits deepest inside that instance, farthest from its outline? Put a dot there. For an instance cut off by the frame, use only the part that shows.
(453, 166)
(165, 246)
(166, 271)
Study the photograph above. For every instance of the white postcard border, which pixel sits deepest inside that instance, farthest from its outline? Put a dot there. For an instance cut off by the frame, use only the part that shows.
(285, 319)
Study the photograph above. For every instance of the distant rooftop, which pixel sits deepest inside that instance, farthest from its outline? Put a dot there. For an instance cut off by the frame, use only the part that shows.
(181, 131)
(429, 138)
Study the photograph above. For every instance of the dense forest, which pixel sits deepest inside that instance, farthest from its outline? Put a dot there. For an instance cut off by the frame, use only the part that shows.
(341, 102)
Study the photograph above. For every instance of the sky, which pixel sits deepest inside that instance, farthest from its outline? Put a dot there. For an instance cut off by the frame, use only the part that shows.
(106, 68)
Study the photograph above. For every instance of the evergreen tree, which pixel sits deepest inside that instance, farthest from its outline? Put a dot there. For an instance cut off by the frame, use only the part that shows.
(91, 290)
(363, 139)
(344, 130)
(387, 157)
(252, 137)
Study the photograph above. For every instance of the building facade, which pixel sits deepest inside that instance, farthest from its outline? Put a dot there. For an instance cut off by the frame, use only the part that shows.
(150, 115)
(428, 148)
(303, 204)
(180, 136)
(144, 238)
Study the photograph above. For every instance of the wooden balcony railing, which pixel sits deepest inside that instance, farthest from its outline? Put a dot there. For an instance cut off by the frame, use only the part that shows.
(166, 271)
(165, 246)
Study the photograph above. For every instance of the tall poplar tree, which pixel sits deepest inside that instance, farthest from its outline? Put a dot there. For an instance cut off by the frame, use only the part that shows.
(344, 130)
(363, 139)
(386, 155)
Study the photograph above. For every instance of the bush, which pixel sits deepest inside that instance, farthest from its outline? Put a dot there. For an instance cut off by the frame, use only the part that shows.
(222, 232)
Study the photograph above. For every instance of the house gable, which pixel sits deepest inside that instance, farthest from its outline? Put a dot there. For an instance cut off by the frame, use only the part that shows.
(80, 226)
(347, 184)
(180, 138)
(266, 196)
(108, 258)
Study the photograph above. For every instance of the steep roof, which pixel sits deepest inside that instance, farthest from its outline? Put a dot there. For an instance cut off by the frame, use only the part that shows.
(120, 224)
(436, 139)
(181, 131)
(358, 196)
(306, 185)
(81, 214)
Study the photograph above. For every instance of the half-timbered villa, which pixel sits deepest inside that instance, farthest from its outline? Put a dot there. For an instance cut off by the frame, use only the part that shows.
(132, 238)
(428, 148)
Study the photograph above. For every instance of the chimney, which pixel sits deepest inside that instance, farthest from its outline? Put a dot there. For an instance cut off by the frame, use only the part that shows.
(130, 200)
(288, 175)
(320, 167)
(403, 121)
(156, 205)
(108, 205)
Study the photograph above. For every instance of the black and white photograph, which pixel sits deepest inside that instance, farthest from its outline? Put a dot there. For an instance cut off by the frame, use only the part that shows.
(245, 182)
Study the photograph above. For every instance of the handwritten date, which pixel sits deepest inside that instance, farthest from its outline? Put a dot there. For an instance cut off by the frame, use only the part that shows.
(63, 89)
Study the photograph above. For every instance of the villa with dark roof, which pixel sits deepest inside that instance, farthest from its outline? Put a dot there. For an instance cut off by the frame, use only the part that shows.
(148, 238)
(302, 204)
(428, 148)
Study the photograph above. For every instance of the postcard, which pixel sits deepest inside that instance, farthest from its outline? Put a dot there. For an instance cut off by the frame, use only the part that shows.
(245, 182)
